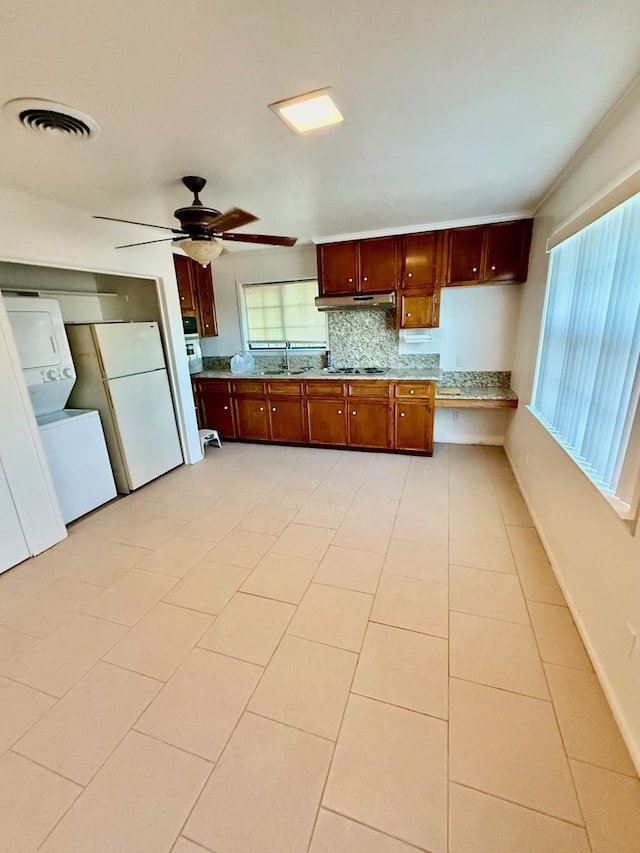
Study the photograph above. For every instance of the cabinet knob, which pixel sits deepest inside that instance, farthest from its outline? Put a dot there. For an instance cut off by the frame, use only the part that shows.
(339, 412)
(261, 409)
(349, 280)
(206, 325)
(408, 313)
(364, 278)
(274, 409)
(409, 275)
(354, 413)
(412, 391)
(475, 269)
(226, 408)
(401, 414)
(493, 267)
(182, 297)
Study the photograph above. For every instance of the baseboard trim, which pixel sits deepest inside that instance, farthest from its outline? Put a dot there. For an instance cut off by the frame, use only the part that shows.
(616, 710)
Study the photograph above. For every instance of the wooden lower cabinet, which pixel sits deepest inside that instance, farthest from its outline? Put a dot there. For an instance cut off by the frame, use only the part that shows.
(368, 424)
(327, 422)
(252, 418)
(286, 419)
(413, 426)
(371, 414)
(216, 412)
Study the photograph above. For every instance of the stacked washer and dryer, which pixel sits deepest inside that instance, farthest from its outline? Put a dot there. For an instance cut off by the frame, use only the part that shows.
(73, 439)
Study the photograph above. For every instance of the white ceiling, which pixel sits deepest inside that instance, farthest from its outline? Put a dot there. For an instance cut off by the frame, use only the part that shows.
(455, 109)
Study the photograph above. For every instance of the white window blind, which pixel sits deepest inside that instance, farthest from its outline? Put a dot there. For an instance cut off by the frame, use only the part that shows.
(587, 379)
(284, 311)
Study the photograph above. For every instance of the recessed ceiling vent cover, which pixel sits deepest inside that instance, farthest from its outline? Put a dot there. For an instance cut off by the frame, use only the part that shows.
(56, 120)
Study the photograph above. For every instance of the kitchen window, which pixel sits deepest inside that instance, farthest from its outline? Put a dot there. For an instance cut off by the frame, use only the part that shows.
(277, 312)
(587, 382)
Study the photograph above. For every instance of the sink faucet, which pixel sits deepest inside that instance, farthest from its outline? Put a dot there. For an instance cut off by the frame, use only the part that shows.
(287, 347)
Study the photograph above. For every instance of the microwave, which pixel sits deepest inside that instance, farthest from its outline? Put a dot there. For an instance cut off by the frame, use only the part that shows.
(189, 326)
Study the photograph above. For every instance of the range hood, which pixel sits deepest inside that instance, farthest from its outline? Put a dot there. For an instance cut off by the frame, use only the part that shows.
(380, 301)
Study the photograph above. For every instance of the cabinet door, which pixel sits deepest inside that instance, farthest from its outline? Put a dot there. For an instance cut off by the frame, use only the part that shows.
(413, 427)
(421, 255)
(378, 265)
(286, 417)
(186, 283)
(252, 418)
(327, 422)
(216, 412)
(507, 251)
(465, 255)
(369, 424)
(338, 268)
(206, 304)
(417, 312)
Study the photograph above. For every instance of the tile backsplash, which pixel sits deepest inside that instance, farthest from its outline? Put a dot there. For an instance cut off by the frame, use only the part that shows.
(370, 339)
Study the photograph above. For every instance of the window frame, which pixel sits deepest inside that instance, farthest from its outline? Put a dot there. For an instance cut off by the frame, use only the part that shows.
(625, 502)
(244, 327)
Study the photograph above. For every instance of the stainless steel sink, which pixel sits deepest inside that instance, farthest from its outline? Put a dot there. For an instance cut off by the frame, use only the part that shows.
(283, 372)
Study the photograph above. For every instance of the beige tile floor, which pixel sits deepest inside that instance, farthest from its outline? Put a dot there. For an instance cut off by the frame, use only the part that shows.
(283, 650)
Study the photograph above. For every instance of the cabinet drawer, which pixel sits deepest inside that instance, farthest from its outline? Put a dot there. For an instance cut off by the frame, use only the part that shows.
(285, 386)
(325, 388)
(369, 388)
(248, 386)
(414, 389)
(212, 386)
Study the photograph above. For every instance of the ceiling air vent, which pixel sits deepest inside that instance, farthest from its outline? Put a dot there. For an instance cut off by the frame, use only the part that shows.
(56, 120)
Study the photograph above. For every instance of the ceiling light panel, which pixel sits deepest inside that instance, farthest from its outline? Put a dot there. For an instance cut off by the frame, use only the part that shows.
(308, 112)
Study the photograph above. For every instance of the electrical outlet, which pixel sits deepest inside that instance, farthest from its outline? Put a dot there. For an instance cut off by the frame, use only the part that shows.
(456, 415)
(527, 457)
(459, 361)
(631, 640)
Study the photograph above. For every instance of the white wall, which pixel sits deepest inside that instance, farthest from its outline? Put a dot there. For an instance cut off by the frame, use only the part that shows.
(596, 559)
(35, 231)
(252, 266)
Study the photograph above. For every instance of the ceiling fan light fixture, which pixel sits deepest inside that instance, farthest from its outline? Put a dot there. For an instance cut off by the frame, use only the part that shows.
(307, 112)
(201, 251)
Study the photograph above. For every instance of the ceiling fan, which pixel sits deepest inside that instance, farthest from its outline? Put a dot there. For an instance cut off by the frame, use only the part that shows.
(202, 229)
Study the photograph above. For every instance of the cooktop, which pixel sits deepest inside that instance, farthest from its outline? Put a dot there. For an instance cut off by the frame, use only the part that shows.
(350, 370)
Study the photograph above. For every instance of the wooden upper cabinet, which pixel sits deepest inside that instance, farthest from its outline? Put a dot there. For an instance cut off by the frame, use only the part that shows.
(195, 289)
(186, 284)
(358, 266)
(485, 254)
(338, 267)
(378, 268)
(419, 264)
(421, 260)
(465, 255)
(416, 311)
(507, 251)
(206, 303)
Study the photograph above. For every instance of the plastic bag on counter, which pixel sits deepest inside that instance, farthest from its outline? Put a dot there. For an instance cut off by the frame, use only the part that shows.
(242, 362)
(237, 363)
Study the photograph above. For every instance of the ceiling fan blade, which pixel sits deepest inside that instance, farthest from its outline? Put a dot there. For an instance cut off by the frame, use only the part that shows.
(269, 239)
(233, 218)
(145, 224)
(146, 242)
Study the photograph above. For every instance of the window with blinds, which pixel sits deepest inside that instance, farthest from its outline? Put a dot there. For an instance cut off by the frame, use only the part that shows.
(283, 311)
(587, 381)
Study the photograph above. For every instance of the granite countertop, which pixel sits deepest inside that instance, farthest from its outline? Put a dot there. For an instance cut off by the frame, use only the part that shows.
(476, 392)
(392, 374)
(467, 392)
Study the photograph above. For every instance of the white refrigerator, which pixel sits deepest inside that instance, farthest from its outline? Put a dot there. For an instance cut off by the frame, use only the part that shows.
(121, 372)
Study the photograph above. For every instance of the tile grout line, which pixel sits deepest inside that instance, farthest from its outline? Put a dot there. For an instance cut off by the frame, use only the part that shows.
(346, 704)
(553, 706)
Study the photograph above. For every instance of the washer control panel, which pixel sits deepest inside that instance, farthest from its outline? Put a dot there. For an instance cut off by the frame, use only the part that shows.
(54, 374)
